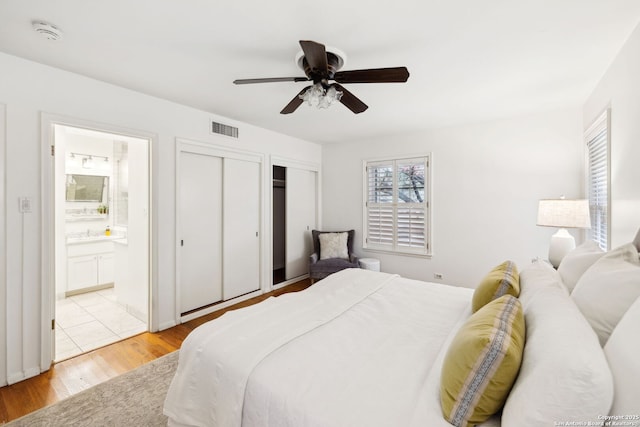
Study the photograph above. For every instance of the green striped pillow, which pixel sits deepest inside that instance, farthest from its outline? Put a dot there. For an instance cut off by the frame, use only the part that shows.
(502, 280)
(482, 362)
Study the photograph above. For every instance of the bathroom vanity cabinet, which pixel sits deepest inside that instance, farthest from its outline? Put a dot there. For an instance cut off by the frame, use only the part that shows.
(90, 265)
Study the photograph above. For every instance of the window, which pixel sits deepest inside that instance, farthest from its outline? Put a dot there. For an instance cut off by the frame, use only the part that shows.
(396, 200)
(597, 141)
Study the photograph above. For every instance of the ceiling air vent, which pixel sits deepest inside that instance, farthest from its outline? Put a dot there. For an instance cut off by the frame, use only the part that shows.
(224, 129)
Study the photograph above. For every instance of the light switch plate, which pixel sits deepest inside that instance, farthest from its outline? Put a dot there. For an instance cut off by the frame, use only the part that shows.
(25, 205)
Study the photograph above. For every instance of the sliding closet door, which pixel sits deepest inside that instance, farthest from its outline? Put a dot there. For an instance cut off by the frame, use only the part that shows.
(301, 219)
(241, 245)
(200, 216)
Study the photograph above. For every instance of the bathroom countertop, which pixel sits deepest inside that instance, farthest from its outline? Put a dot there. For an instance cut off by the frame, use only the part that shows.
(93, 239)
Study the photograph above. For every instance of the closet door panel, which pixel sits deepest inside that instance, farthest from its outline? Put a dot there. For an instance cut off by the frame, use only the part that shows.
(301, 219)
(200, 216)
(241, 242)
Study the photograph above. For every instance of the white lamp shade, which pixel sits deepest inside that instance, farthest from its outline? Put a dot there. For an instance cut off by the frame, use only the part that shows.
(564, 213)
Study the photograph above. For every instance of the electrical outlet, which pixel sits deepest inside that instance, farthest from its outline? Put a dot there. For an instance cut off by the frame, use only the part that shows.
(438, 276)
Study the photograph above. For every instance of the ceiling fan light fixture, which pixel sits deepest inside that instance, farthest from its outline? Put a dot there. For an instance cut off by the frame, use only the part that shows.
(318, 96)
(321, 65)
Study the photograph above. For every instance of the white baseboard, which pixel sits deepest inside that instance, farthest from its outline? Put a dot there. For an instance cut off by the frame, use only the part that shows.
(167, 325)
(137, 314)
(289, 282)
(219, 306)
(15, 377)
(34, 372)
(21, 376)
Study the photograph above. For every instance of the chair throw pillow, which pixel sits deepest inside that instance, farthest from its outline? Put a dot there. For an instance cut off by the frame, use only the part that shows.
(502, 280)
(482, 362)
(608, 288)
(333, 245)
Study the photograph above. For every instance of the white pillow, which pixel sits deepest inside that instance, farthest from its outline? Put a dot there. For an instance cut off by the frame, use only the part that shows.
(622, 352)
(576, 262)
(537, 276)
(564, 374)
(333, 245)
(607, 289)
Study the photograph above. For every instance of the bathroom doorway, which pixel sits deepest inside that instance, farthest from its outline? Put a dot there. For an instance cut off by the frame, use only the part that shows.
(101, 238)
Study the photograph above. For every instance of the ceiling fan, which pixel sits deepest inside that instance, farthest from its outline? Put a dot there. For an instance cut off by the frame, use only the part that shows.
(320, 67)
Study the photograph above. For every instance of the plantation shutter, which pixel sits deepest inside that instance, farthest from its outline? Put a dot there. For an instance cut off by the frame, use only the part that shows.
(380, 212)
(597, 140)
(411, 227)
(381, 225)
(396, 205)
(411, 203)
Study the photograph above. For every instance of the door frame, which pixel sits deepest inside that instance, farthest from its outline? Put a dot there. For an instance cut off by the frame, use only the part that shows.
(3, 246)
(297, 164)
(48, 264)
(209, 149)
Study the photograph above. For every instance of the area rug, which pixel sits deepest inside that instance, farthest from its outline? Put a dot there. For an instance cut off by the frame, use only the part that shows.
(132, 399)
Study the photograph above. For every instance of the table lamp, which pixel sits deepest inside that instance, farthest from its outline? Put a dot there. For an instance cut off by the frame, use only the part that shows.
(563, 213)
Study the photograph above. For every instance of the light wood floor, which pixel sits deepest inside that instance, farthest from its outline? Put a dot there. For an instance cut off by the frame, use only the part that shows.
(71, 376)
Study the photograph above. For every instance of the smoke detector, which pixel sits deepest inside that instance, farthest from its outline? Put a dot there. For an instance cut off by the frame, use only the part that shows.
(46, 30)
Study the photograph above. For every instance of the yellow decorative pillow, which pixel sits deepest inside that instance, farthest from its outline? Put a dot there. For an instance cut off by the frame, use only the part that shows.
(482, 362)
(502, 280)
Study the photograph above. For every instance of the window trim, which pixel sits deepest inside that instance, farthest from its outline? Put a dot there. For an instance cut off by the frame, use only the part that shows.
(602, 119)
(427, 252)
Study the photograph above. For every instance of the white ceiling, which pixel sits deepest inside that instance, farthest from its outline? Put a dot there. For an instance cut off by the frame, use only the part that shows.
(469, 60)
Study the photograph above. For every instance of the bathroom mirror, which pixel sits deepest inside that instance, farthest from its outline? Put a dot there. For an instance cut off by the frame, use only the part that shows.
(86, 188)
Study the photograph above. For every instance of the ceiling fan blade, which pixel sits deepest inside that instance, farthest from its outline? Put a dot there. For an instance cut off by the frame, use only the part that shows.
(316, 56)
(295, 103)
(350, 101)
(271, 80)
(374, 75)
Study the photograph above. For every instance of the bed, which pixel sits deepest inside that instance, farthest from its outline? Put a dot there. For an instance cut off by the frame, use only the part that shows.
(364, 348)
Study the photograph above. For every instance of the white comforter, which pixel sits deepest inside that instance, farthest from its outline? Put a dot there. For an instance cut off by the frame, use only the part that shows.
(356, 349)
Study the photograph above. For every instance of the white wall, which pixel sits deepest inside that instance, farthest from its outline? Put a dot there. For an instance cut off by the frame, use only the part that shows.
(487, 180)
(620, 89)
(28, 89)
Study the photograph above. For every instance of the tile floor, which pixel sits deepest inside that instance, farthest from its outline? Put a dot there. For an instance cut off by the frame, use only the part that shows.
(87, 321)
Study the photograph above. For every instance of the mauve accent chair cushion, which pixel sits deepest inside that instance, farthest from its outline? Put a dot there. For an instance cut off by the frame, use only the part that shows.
(332, 265)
